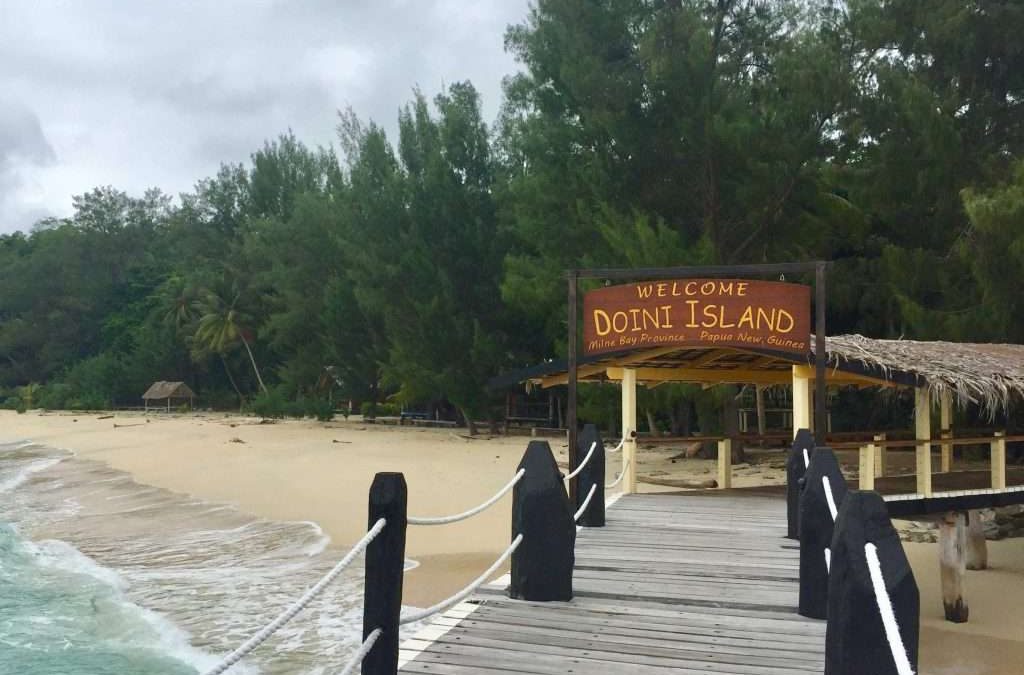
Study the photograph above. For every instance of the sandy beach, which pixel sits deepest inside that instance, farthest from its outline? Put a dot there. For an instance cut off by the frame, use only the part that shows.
(309, 471)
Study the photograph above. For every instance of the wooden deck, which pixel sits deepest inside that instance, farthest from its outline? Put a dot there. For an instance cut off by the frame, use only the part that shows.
(684, 584)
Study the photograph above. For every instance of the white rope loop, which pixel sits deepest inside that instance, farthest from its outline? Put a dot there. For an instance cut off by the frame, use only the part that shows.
(444, 520)
(272, 627)
(827, 484)
(622, 474)
(619, 446)
(807, 459)
(585, 504)
(892, 629)
(364, 649)
(421, 614)
(576, 471)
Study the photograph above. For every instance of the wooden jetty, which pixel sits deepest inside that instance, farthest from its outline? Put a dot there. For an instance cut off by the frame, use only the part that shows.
(687, 584)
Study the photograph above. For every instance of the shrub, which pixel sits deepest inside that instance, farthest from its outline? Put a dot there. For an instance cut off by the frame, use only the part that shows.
(271, 403)
(320, 408)
(57, 396)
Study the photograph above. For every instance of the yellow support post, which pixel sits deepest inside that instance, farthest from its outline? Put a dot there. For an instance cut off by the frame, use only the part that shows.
(866, 480)
(923, 434)
(629, 429)
(946, 426)
(879, 455)
(999, 461)
(803, 401)
(725, 463)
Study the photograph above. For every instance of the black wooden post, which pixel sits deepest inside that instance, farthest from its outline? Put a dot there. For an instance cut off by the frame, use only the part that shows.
(385, 563)
(570, 412)
(592, 474)
(820, 412)
(816, 527)
(796, 467)
(542, 565)
(857, 640)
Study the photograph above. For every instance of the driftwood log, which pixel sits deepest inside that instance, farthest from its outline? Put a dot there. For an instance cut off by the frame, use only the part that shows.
(977, 549)
(952, 563)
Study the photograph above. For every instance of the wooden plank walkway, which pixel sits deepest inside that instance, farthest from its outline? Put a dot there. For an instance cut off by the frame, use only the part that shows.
(683, 584)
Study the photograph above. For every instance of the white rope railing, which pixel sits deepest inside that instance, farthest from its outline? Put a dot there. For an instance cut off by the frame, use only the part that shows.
(364, 649)
(421, 614)
(585, 504)
(892, 629)
(272, 627)
(622, 474)
(444, 520)
(575, 472)
(619, 446)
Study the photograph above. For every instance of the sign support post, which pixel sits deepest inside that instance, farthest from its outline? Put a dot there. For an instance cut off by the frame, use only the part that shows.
(570, 416)
(820, 416)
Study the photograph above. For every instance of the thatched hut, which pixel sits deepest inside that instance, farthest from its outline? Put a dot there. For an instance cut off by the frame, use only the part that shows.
(167, 392)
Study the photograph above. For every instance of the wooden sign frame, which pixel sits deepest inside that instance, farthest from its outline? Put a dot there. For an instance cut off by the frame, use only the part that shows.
(819, 268)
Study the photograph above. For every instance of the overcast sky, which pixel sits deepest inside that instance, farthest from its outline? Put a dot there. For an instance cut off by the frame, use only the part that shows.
(137, 94)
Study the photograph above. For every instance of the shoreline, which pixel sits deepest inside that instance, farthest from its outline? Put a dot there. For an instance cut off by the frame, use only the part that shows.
(305, 471)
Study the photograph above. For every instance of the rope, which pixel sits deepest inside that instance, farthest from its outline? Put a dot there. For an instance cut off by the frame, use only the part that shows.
(807, 459)
(614, 483)
(268, 630)
(421, 614)
(586, 503)
(444, 520)
(892, 629)
(619, 446)
(364, 649)
(575, 472)
(827, 484)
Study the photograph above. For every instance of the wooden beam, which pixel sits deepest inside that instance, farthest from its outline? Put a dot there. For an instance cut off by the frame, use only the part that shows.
(596, 368)
(707, 376)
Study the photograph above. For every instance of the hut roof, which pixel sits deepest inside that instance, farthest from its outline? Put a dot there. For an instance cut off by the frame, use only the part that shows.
(986, 374)
(162, 390)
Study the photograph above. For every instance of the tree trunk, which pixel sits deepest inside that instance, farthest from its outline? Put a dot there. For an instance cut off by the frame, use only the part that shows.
(651, 424)
(759, 397)
(231, 378)
(255, 369)
(470, 424)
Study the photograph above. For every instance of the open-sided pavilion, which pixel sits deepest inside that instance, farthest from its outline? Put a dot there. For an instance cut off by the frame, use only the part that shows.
(944, 374)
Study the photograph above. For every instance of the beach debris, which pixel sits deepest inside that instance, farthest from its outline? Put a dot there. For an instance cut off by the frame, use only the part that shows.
(337, 441)
(235, 439)
(122, 426)
(104, 417)
(265, 421)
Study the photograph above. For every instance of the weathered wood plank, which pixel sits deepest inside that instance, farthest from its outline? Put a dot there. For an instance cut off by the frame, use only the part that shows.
(680, 584)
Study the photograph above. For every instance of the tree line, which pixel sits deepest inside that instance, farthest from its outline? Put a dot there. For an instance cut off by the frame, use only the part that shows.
(885, 135)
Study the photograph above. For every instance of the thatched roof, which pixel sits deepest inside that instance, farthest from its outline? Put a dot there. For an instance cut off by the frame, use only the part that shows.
(985, 374)
(161, 390)
(989, 375)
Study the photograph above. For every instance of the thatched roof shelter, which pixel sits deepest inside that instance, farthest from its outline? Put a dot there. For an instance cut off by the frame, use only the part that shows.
(989, 375)
(168, 390)
(985, 374)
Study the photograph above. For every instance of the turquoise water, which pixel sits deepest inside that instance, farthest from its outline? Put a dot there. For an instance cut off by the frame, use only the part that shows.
(59, 613)
(100, 574)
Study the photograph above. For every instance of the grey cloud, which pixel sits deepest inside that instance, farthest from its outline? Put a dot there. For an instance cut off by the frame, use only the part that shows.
(143, 94)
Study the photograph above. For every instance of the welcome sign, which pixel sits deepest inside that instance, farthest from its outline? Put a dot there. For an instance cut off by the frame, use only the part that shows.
(698, 313)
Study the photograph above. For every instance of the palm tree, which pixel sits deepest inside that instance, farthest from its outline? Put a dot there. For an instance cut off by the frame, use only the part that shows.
(222, 326)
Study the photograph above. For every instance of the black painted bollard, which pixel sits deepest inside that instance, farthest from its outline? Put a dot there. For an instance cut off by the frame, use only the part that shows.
(870, 570)
(542, 565)
(816, 527)
(796, 467)
(592, 474)
(385, 563)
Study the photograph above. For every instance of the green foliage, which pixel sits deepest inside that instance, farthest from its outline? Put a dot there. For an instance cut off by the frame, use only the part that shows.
(883, 134)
